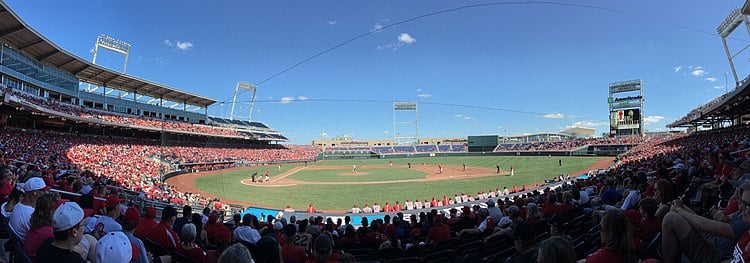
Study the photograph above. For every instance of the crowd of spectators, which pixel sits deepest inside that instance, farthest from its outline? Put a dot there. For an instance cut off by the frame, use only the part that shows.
(422, 148)
(567, 145)
(126, 162)
(121, 118)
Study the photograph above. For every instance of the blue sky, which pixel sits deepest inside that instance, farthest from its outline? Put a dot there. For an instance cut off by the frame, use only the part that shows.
(552, 60)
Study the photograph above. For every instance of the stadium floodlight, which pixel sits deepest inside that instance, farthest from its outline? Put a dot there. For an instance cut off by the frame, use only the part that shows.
(731, 23)
(114, 45)
(245, 87)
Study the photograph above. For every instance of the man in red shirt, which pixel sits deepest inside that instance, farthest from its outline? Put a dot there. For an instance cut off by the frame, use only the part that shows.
(147, 223)
(311, 209)
(438, 232)
(162, 233)
(218, 231)
(289, 251)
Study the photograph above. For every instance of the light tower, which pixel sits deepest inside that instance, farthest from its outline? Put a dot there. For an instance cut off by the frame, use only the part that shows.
(245, 87)
(405, 123)
(114, 45)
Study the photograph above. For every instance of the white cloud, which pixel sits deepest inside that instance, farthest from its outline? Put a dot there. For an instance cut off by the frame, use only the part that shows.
(386, 132)
(424, 95)
(677, 69)
(712, 79)
(588, 124)
(168, 43)
(419, 90)
(718, 87)
(184, 45)
(377, 27)
(286, 100)
(698, 72)
(554, 116)
(302, 98)
(653, 119)
(406, 38)
(463, 117)
(332, 22)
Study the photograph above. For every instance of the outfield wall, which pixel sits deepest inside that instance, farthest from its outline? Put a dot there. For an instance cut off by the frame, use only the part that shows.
(356, 219)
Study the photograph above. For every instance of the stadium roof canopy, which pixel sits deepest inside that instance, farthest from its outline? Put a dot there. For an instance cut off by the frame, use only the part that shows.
(19, 35)
(727, 107)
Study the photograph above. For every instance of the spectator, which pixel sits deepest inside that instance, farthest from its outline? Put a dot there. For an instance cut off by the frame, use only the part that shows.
(494, 211)
(11, 202)
(439, 232)
(129, 223)
(67, 223)
(32, 190)
(187, 245)
(682, 232)
(556, 250)
(40, 223)
(236, 253)
(524, 239)
(162, 233)
(292, 253)
(115, 247)
(217, 232)
(246, 232)
(617, 245)
(650, 224)
(187, 213)
(107, 223)
(532, 213)
(146, 223)
(268, 250)
(323, 249)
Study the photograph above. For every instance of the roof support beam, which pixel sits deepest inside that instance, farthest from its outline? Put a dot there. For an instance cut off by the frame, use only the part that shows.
(11, 31)
(31, 45)
(75, 73)
(49, 54)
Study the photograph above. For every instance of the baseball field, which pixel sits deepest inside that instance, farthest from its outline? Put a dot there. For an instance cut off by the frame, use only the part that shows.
(332, 185)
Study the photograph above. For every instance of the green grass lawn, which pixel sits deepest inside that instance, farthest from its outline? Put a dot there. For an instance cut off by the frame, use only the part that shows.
(344, 175)
(529, 170)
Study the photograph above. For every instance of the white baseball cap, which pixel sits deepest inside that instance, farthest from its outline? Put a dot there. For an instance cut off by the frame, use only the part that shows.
(114, 247)
(67, 216)
(33, 184)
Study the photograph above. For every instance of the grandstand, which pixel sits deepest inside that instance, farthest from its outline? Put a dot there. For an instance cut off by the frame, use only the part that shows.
(87, 145)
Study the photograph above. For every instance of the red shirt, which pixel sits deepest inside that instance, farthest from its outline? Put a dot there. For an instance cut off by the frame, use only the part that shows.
(145, 226)
(397, 207)
(220, 232)
(35, 238)
(648, 228)
(292, 253)
(739, 249)
(194, 253)
(163, 234)
(311, 210)
(604, 255)
(439, 233)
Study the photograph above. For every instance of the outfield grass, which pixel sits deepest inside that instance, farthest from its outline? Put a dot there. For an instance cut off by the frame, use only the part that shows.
(529, 170)
(344, 175)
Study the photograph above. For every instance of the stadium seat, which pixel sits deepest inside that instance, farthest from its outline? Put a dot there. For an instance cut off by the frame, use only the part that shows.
(362, 254)
(155, 248)
(404, 260)
(443, 256)
(389, 253)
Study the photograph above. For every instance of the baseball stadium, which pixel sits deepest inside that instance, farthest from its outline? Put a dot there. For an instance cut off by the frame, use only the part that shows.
(98, 165)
